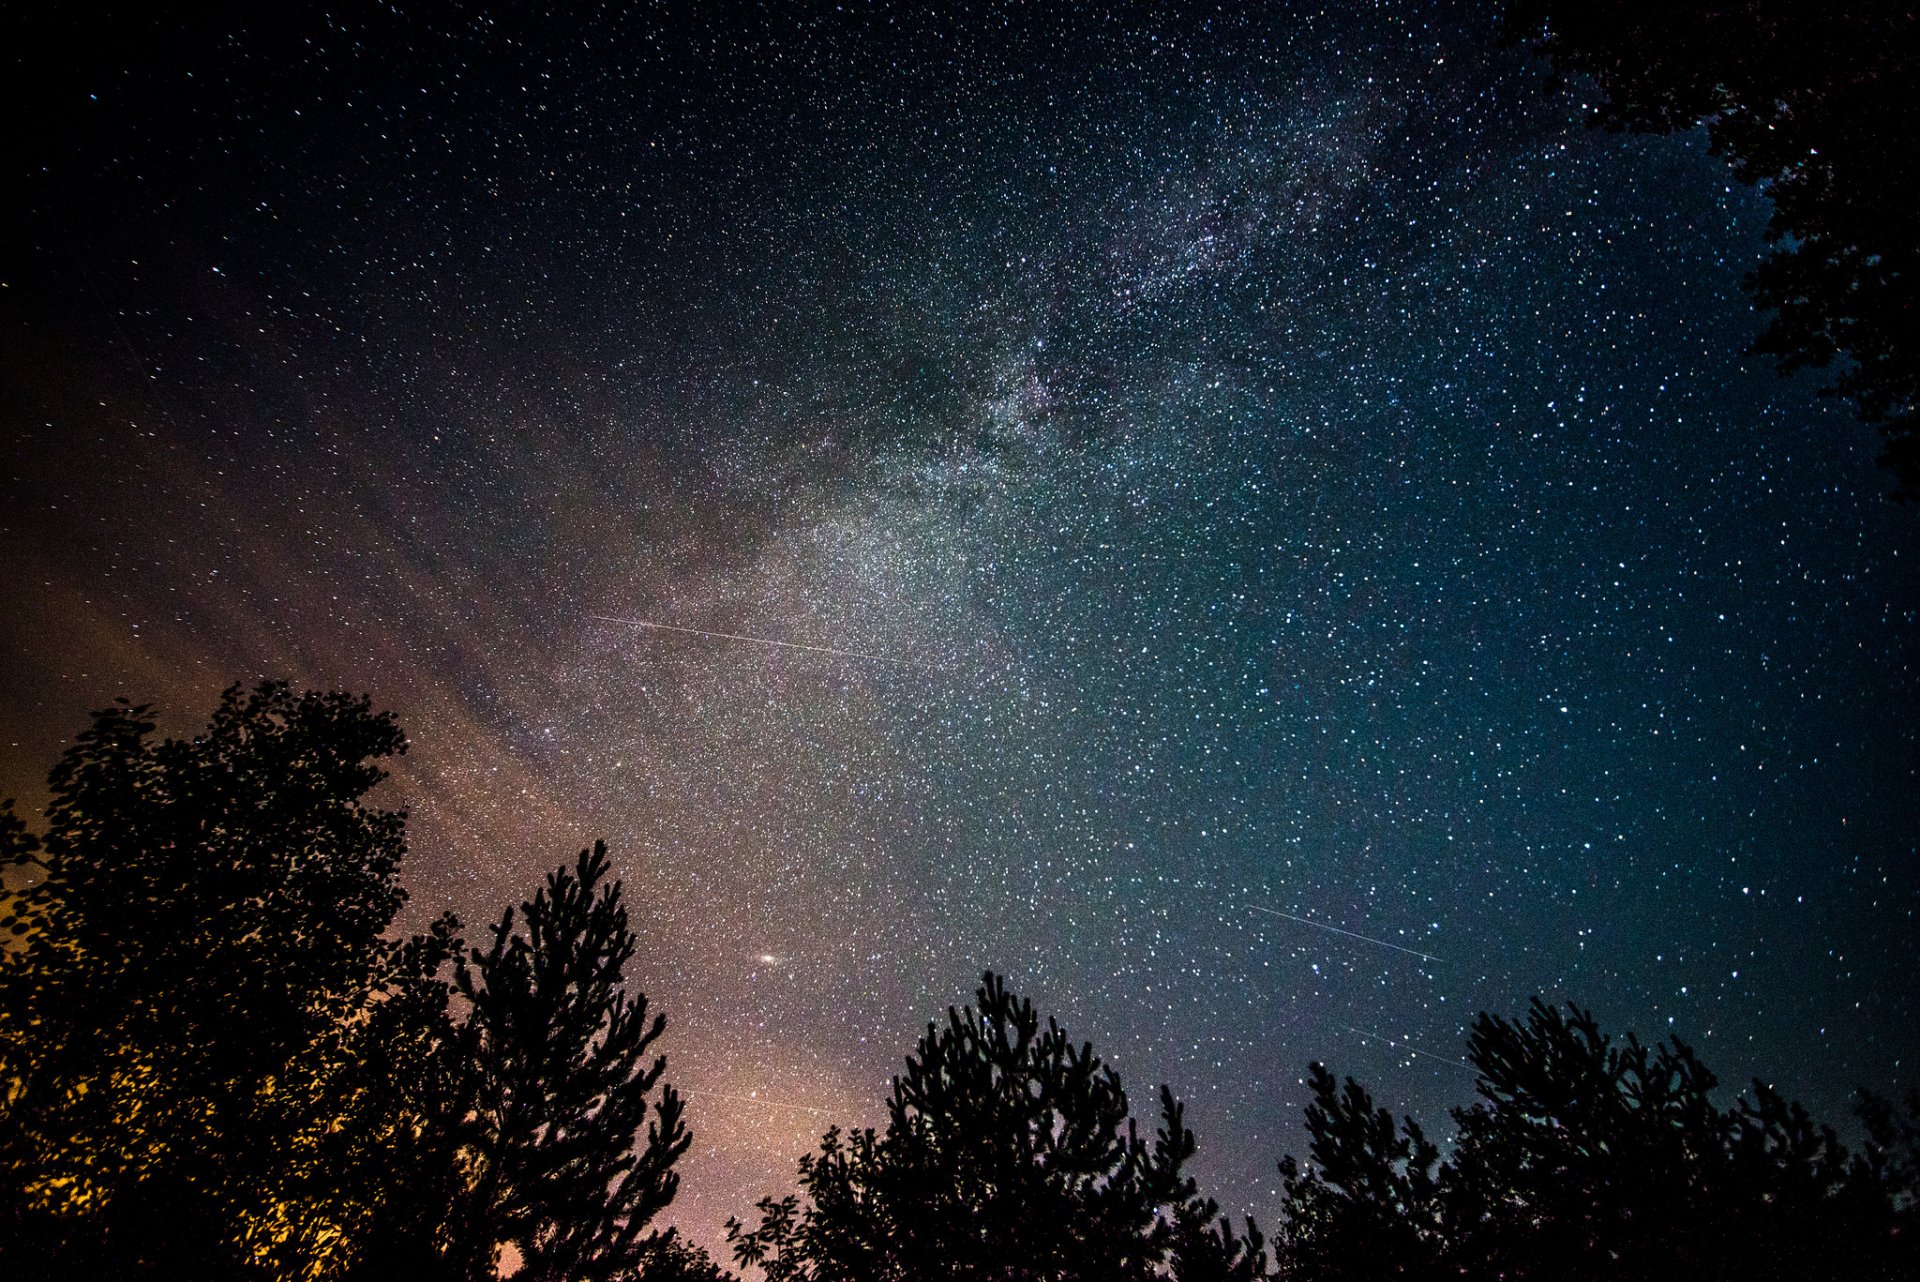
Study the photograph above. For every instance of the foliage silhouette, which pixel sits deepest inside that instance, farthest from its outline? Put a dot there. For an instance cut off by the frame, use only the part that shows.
(208, 915)
(1365, 1208)
(1008, 1154)
(214, 1062)
(1815, 103)
(1589, 1159)
(670, 1258)
(560, 1052)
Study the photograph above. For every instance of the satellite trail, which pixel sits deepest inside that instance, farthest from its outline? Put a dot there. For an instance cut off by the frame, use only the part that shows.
(755, 1099)
(735, 636)
(1320, 925)
(1409, 1048)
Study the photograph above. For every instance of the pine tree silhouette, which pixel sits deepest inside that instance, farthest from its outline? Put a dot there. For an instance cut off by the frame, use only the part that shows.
(1590, 1158)
(560, 1050)
(1008, 1154)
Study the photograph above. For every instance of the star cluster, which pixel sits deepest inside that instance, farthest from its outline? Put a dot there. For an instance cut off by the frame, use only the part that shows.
(1322, 562)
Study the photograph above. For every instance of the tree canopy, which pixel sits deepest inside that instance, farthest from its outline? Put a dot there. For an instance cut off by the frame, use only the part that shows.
(207, 916)
(560, 1057)
(216, 1062)
(1591, 1158)
(1009, 1153)
(1814, 102)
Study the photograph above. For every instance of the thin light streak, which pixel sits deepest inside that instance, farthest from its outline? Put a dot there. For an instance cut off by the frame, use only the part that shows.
(1409, 1048)
(1320, 925)
(754, 1099)
(735, 636)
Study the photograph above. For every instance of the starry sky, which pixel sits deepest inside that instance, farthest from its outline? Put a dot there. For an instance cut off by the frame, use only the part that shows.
(1311, 558)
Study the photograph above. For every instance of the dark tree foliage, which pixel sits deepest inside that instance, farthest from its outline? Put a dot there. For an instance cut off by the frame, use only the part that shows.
(400, 1110)
(1893, 1153)
(670, 1258)
(214, 1062)
(560, 1052)
(205, 919)
(1816, 102)
(1009, 1154)
(1590, 1159)
(1365, 1208)
(1206, 1248)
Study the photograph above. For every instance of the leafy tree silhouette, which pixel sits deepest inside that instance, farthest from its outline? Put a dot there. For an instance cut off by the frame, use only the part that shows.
(1590, 1159)
(1815, 103)
(207, 918)
(1008, 1154)
(401, 1115)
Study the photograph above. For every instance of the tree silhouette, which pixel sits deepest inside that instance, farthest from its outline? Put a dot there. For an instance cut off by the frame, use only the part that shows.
(1893, 1153)
(206, 919)
(1365, 1208)
(215, 1063)
(562, 1080)
(669, 1258)
(400, 1121)
(1008, 1154)
(1206, 1247)
(1815, 103)
(1586, 1158)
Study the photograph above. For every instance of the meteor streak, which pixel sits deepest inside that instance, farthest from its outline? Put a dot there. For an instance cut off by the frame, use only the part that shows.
(1320, 925)
(1408, 1047)
(752, 1099)
(735, 636)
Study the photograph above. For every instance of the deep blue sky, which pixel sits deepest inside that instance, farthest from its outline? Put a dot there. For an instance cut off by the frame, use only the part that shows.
(1283, 463)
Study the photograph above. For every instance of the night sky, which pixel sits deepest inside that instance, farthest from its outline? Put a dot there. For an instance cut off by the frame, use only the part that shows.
(1265, 468)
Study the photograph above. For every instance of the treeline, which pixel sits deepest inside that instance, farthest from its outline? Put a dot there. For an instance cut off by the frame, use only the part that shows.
(217, 1063)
